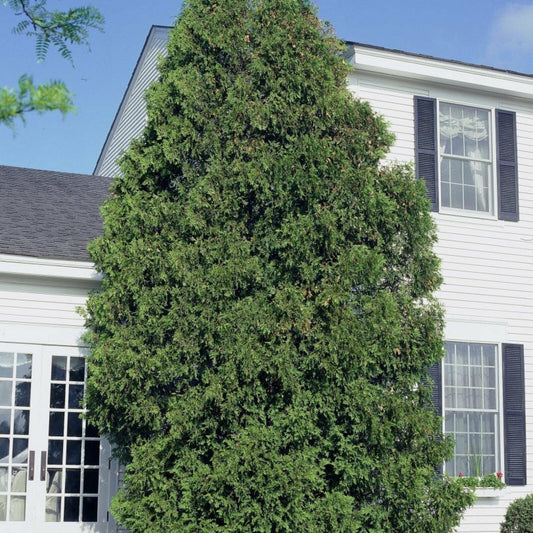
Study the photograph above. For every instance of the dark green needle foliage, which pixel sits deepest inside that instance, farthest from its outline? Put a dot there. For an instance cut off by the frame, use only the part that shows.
(266, 314)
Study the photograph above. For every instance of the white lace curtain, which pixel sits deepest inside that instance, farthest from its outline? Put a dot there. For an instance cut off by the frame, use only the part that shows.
(465, 133)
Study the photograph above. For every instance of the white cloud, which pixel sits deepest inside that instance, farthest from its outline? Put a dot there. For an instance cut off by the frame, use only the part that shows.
(512, 32)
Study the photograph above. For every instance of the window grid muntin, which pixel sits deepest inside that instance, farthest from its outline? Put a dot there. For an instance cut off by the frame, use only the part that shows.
(445, 185)
(63, 502)
(14, 466)
(482, 452)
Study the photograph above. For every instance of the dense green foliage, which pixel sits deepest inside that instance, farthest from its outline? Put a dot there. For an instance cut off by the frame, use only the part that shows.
(266, 315)
(61, 29)
(519, 516)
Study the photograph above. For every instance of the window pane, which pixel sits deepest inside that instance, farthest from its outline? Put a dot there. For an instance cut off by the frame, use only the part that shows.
(476, 377)
(470, 198)
(77, 369)
(59, 368)
(22, 393)
(6, 364)
(18, 480)
(6, 388)
(22, 422)
(74, 425)
(57, 395)
(3, 508)
(56, 426)
(90, 482)
(17, 511)
(461, 372)
(92, 452)
(73, 452)
(4, 450)
(53, 509)
(457, 196)
(461, 353)
(5, 421)
(490, 399)
(75, 396)
(55, 452)
(73, 481)
(53, 481)
(489, 355)
(72, 509)
(20, 451)
(90, 509)
(24, 366)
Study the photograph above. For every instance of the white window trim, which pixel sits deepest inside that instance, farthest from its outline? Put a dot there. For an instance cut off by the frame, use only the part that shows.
(493, 214)
(499, 376)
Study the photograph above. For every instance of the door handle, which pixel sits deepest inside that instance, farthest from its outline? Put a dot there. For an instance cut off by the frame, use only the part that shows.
(31, 470)
(43, 465)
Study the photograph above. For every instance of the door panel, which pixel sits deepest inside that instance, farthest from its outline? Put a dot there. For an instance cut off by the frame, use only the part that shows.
(15, 394)
(51, 460)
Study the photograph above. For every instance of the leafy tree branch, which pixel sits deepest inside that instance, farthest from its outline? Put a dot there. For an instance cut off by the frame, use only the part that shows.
(28, 97)
(61, 29)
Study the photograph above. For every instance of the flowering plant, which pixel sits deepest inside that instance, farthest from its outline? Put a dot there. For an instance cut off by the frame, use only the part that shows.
(490, 480)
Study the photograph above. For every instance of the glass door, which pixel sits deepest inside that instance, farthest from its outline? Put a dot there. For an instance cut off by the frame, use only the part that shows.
(54, 468)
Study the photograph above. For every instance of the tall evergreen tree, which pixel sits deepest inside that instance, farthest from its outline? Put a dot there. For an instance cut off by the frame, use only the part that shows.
(266, 316)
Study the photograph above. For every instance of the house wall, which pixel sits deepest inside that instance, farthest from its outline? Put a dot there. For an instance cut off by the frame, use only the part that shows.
(486, 263)
(131, 116)
(39, 314)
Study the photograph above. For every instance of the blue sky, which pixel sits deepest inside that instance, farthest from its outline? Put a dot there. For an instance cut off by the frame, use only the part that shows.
(489, 32)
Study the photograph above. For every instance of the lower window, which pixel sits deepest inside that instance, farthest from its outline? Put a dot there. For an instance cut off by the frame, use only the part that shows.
(471, 407)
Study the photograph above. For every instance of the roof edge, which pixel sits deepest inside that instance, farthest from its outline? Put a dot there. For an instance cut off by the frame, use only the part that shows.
(19, 265)
(435, 58)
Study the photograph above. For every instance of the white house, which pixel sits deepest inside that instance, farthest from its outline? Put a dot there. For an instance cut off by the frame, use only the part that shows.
(469, 130)
(55, 472)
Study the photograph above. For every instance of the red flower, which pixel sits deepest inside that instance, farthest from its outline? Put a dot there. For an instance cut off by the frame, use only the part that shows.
(460, 474)
(499, 474)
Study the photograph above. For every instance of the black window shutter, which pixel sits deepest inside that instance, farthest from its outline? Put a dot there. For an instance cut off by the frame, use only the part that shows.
(435, 373)
(507, 165)
(514, 413)
(426, 146)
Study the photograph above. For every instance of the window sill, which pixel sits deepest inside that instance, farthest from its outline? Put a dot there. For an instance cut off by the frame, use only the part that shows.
(465, 213)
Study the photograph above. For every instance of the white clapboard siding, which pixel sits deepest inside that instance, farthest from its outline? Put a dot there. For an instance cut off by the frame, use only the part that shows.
(131, 116)
(41, 304)
(487, 264)
(44, 293)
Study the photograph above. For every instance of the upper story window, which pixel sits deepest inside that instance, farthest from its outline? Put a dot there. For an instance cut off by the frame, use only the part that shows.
(466, 167)
(465, 158)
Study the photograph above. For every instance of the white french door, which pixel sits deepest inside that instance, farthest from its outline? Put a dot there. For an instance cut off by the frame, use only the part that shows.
(52, 475)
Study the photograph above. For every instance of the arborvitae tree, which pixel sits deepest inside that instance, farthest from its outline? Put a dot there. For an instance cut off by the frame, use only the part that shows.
(266, 315)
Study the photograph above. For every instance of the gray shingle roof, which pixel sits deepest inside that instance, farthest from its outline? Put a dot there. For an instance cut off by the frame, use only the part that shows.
(49, 214)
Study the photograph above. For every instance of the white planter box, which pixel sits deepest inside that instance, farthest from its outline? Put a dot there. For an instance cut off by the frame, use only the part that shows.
(489, 492)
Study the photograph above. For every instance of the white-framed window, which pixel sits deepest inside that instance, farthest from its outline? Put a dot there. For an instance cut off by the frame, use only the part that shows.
(471, 407)
(466, 158)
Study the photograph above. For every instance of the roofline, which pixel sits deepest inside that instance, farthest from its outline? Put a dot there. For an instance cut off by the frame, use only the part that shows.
(434, 58)
(349, 44)
(56, 172)
(153, 29)
(19, 265)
